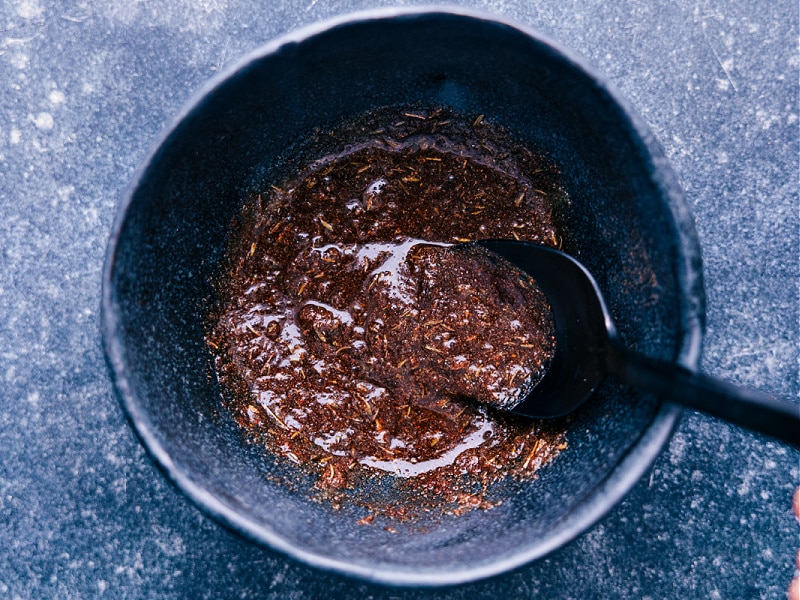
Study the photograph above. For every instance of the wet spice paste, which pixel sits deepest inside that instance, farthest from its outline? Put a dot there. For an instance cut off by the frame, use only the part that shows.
(351, 335)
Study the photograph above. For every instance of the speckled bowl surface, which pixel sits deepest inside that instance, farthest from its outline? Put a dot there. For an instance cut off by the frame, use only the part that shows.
(630, 222)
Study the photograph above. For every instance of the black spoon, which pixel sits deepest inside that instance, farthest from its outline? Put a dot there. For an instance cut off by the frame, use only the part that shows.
(588, 348)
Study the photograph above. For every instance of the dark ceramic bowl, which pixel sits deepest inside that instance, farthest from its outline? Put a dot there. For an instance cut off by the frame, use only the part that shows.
(628, 217)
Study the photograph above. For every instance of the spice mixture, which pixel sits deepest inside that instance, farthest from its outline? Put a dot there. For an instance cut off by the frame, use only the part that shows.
(352, 338)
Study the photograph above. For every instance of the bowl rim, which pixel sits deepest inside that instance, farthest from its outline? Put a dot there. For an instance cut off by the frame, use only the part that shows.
(588, 511)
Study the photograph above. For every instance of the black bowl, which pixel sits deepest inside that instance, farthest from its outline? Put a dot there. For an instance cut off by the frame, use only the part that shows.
(630, 223)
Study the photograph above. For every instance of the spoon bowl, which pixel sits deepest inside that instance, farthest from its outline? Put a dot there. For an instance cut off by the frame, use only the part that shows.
(588, 348)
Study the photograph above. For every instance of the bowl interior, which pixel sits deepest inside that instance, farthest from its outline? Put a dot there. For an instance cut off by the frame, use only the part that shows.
(626, 217)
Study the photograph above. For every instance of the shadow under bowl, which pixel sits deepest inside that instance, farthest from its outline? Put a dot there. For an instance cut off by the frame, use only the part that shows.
(628, 217)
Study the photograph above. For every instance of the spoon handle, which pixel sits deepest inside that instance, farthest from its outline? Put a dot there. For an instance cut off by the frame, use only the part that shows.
(741, 406)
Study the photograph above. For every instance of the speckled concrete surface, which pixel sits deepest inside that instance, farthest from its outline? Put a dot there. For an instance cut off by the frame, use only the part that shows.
(85, 88)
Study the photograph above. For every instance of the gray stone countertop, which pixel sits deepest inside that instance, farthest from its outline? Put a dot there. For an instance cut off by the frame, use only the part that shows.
(85, 88)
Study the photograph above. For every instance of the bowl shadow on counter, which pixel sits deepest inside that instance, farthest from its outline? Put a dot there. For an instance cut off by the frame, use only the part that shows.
(627, 216)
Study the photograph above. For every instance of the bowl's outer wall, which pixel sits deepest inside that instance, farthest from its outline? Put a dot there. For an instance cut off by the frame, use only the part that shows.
(626, 216)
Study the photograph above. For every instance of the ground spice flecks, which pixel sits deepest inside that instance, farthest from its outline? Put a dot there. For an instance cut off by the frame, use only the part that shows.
(350, 335)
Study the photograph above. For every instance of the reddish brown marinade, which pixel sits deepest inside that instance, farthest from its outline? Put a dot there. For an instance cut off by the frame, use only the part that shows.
(351, 337)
